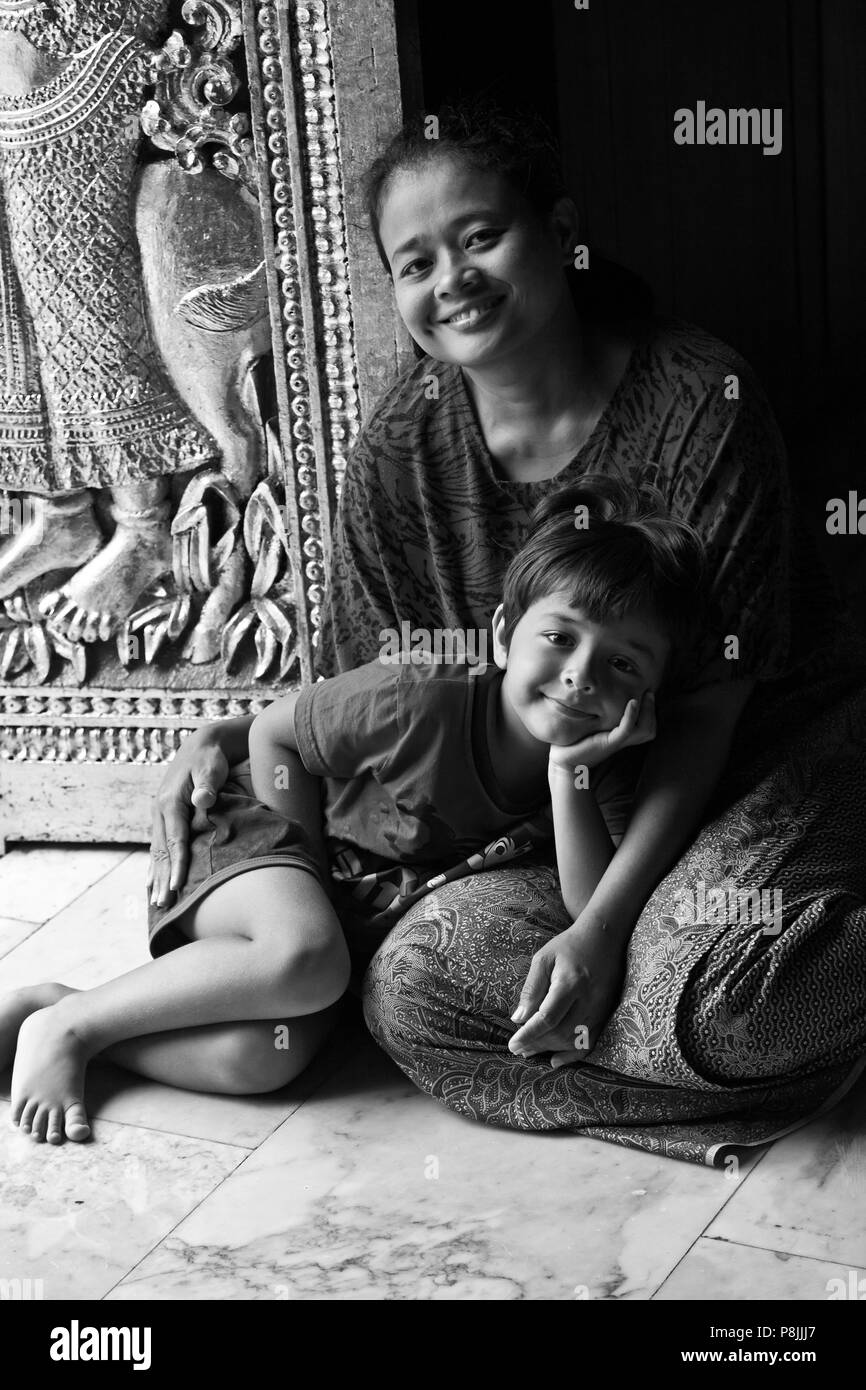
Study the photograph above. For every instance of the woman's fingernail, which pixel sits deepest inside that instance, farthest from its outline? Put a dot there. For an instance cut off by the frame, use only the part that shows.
(518, 1014)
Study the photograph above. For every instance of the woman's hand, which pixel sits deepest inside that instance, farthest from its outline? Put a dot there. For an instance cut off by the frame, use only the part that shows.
(192, 779)
(572, 988)
(637, 725)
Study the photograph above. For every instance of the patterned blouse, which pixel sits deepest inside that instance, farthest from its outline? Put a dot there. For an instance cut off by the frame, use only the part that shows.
(427, 524)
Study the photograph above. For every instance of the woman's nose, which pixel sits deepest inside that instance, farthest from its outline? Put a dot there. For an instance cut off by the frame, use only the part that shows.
(456, 277)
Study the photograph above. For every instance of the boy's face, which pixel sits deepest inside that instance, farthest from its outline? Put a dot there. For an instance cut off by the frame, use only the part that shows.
(567, 677)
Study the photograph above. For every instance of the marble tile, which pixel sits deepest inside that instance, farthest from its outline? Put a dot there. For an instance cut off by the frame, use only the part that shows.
(808, 1197)
(13, 932)
(723, 1271)
(99, 935)
(35, 883)
(80, 1217)
(374, 1191)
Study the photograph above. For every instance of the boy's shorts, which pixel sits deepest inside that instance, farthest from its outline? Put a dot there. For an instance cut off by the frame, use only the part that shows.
(237, 834)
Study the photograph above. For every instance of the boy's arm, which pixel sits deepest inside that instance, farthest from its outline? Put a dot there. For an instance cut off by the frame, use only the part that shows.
(577, 976)
(278, 776)
(682, 769)
(583, 846)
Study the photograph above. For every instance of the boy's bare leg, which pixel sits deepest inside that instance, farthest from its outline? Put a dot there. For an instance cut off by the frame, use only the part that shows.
(237, 1059)
(225, 1058)
(266, 945)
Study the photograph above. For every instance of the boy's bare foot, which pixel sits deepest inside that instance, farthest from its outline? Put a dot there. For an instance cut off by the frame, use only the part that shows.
(18, 1004)
(48, 1079)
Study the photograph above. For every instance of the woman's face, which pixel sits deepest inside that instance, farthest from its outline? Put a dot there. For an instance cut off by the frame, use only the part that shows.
(476, 276)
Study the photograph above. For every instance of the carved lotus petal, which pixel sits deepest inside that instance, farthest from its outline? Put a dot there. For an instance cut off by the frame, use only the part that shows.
(9, 642)
(272, 616)
(226, 545)
(179, 617)
(73, 652)
(38, 651)
(266, 650)
(235, 631)
(267, 569)
(264, 514)
(154, 636)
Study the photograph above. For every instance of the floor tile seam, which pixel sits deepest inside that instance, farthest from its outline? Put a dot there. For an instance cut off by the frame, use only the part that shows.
(702, 1233)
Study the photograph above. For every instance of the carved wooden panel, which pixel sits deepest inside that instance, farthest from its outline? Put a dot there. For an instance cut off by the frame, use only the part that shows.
(173, 569)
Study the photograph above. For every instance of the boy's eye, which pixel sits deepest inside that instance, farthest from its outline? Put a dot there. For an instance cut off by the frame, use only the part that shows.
(620, 664)
(559, 639)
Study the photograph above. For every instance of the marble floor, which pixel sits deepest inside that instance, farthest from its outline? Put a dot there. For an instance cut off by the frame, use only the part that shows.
(350, 1184)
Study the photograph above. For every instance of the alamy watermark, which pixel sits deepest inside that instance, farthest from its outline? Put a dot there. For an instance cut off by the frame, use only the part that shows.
(423, 646)
(712, 125)
(727, 907)
(18, 512)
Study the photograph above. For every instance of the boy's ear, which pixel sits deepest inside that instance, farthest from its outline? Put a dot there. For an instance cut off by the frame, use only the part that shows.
(500, 647)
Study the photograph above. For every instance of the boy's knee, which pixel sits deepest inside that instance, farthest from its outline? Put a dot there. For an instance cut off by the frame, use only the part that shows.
(320, 969)
(254, 1060)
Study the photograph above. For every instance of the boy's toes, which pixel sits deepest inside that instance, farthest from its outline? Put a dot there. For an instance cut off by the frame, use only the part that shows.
(76, 1124)
(39, 1125)
(54, 1133)
(26, 1115)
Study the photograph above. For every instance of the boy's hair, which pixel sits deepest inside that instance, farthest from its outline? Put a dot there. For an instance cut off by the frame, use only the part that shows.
(623, 553)
(519, 146)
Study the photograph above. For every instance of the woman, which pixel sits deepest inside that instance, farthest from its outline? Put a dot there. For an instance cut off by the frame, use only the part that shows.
(529, 379)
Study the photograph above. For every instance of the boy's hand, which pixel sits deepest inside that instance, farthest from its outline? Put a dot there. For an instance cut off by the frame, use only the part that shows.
(637, 725)
(571, 990)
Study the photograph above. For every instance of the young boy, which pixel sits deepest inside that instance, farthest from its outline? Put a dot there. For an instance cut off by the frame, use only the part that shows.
(428, 771)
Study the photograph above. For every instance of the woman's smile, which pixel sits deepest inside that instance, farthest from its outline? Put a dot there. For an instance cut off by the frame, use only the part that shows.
(478, 314)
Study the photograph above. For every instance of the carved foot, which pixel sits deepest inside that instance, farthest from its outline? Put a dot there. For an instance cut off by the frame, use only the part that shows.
(98, 599)
(55, 533)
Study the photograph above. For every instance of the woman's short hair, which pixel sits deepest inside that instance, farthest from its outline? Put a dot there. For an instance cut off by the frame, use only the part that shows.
(519, 146)
(612, 548)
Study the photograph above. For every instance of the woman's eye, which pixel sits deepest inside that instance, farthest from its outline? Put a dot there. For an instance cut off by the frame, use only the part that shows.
(412, 267)
(486, 234)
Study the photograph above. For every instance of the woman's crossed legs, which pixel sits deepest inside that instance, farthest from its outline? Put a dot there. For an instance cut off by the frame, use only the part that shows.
(264, 966)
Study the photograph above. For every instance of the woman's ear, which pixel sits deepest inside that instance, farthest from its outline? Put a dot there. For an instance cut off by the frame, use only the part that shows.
(500, 646)
(566, 223)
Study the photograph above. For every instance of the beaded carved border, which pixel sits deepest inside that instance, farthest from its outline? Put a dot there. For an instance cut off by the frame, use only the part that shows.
(290, 65)
(142, 726)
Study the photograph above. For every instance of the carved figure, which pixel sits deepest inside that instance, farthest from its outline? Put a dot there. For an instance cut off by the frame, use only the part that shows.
(85, 402)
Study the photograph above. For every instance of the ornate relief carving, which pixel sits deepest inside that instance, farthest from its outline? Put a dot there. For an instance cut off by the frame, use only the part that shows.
(237, 550)
(194, 84)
